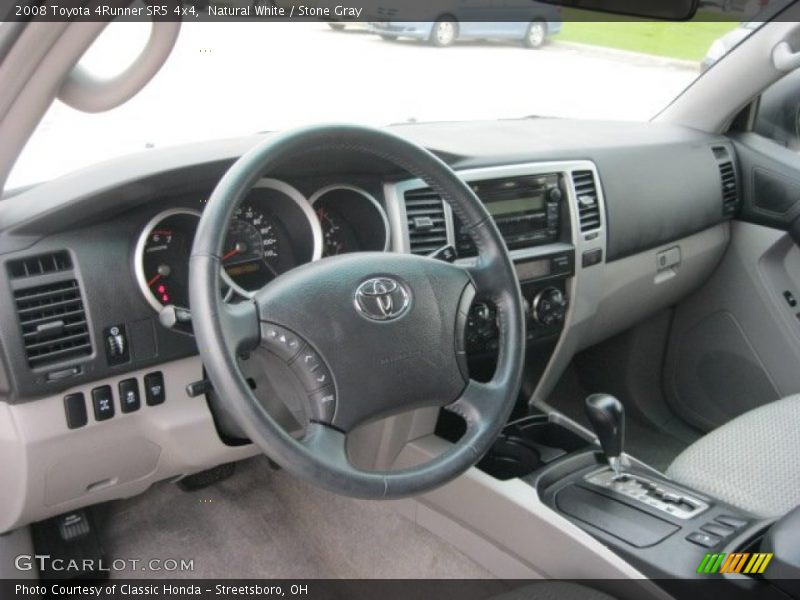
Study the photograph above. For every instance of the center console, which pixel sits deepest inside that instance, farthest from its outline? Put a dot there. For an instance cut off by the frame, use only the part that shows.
(667, 531)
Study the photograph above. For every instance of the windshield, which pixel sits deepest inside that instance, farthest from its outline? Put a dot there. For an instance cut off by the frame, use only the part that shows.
(238, 78)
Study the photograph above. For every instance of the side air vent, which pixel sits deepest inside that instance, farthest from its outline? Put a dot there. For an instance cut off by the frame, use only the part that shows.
(53, 321)
(426, 223)
(39, 265)
(730, 191)
(588, 202)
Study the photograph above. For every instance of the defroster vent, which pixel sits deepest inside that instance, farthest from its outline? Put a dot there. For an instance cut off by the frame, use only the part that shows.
(43, 264)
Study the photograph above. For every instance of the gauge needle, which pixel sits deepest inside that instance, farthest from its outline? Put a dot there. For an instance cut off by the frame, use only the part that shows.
(152, 282)
(234, 251)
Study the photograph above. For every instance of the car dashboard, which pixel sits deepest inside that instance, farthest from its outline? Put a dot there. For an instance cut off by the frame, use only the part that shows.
(606, 223)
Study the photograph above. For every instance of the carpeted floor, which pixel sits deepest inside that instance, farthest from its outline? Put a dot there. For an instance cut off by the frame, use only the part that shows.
(261, 523)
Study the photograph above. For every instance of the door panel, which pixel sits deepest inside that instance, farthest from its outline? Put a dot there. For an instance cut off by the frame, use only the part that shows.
(735, 344)
(770, 181)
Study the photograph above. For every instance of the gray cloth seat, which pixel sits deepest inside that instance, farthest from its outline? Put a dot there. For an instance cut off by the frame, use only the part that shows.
(752, 462)
(553, 590)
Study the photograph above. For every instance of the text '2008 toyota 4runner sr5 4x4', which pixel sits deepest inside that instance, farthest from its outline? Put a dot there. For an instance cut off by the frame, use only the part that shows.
(514, 298)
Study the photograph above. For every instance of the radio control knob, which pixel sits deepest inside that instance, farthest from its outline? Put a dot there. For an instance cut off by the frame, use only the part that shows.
(554, 195)
(549, 307)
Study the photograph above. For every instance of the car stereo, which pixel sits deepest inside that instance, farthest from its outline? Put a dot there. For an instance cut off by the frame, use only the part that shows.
(527, 210)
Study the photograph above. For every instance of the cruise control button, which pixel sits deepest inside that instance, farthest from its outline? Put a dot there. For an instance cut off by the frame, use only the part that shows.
(154, 388)
(129, 395)
(323, 404)
(103, 402)
(311, 370)
(280, 341)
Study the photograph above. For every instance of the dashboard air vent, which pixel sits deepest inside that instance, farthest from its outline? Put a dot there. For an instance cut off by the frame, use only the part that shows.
(426, 223)
(588, 201)
(730, 193)
(39, 265)
(53, 321)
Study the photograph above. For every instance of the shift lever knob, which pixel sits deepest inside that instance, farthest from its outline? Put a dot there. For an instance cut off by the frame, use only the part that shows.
(608, 420)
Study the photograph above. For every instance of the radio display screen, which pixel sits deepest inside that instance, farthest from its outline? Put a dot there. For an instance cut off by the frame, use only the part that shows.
(498, 208)
(524, 208)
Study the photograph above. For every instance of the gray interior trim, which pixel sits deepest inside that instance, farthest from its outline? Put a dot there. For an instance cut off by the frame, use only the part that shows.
(608, 298)
(86, 92)
(752, 356)
(49, 469)
(476, 511)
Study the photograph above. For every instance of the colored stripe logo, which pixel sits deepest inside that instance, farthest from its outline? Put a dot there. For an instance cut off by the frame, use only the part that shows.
(737, 562)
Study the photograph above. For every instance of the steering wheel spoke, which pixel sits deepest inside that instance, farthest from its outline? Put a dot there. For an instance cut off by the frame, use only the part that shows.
(477, 404)
(240, 326)
(325, 441)
(484, 274)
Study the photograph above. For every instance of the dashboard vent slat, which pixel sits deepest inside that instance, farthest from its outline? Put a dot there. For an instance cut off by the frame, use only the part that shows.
(30, 266)
(427, 230)
(588, 200)
(53, 323)
(730, 191)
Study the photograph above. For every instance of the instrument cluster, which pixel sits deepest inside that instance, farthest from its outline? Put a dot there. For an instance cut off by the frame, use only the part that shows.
(273, 230)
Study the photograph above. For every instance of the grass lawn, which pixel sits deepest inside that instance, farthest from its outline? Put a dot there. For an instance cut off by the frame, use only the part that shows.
(689, 41)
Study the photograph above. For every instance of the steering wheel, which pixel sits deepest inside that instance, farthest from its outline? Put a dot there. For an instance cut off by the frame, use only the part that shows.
(368, 334)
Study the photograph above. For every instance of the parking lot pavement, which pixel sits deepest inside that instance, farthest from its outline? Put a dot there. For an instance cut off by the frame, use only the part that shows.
(227, 79)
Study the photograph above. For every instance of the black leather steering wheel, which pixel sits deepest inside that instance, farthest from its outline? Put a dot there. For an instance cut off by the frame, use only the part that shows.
(369, 334)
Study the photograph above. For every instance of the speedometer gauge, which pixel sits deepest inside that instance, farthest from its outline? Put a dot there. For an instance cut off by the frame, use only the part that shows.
(271, 232)
(257, 248)
(162, 258)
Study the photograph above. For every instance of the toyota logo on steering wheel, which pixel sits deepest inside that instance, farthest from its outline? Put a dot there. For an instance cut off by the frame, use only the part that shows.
(382, 299)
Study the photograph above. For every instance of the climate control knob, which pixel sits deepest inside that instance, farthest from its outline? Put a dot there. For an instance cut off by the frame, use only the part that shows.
(549, 307)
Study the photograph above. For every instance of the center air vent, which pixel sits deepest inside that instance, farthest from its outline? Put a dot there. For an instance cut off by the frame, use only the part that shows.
(588, 201)
(53, 321)
(426, 223)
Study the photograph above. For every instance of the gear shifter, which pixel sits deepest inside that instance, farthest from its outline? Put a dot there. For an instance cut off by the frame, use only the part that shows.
(607, 417)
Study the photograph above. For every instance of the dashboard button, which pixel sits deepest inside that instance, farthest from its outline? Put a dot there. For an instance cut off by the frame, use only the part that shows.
(311, 370)
(103, 401)
(116, 342)
(129, 395)
(154, 388)
(280, 341)
(592, 257)
(323, 404)
(717, 529)
(730, 521)
(706, 540)
(75, 409)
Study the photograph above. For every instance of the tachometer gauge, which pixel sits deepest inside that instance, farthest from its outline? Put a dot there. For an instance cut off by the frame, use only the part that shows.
(162, 258)
(338, 236)
(351, 220)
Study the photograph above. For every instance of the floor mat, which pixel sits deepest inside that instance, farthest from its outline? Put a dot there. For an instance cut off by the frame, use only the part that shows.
(262, 523)
(653, 446)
